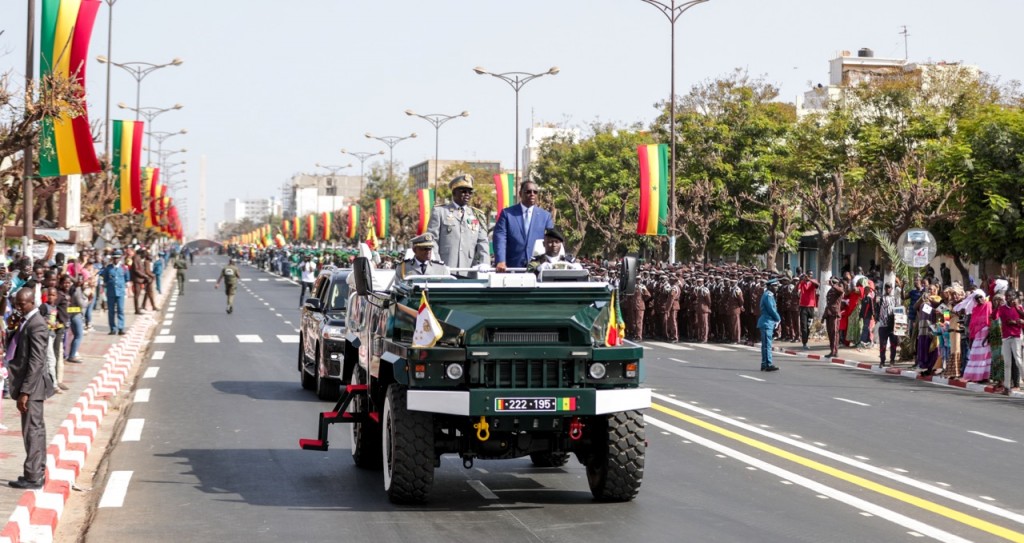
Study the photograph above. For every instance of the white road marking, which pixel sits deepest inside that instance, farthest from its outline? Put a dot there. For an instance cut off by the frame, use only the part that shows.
(157, 355)
(970, 502)
(811, 485)
(151, 372)
(288, 338)
(990, 436)
(261, 279)
(710, 346)
(482, 489)
(272, 309)
(677, 360)
(117, 487)
(244, 279)
(133, 430)
(207, 339)
(277, 314)
(163, 339)
(647, 348)
(165, 331)
(287, 322)
(168, 322)
(193, 280)
(142, 395)
(266, 303)
(210, 280)
(751, 377)
(672, 346)
(281, 279)
(243, 338)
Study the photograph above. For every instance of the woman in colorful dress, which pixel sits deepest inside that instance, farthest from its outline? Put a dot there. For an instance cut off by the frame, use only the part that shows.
(995, 341)
(852, 315)
(979, 362)
(927, 356)
(953, 296)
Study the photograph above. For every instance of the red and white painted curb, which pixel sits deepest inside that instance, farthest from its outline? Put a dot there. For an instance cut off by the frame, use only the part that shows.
(38, 511)
(875, 368)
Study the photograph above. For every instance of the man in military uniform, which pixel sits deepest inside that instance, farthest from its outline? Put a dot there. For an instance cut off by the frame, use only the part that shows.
(702, 299)
(553, 257)
(733, 309)
(421, 263)
(230, 276)
(833, 309)
(460, 230)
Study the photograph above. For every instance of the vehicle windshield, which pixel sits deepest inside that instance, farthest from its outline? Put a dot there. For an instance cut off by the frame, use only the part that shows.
(338, 297)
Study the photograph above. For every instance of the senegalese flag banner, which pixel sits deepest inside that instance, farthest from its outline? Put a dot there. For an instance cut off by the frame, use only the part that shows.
(127, 156)
(426, 206)
(325, 222)
(611, 334)
(504, 190)
(371, 234)
(150, 184)
(382, 208)
(66, 145)
(310, 227)
(653, 189)
(296, 233)
(286, 225)
(353, 222)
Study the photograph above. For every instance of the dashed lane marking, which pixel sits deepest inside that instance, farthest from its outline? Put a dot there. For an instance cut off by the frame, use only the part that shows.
(142, 395)
(288, 338)
(854, 402)
(133, 430)
(710, 346)
(207, 339)
(117, 488)
(482, 489)
(163, 339)
(673, 346)
(677, 360)
(151, 373)
(158, 355)
(752, 378)
(243, 338)
(990, 436)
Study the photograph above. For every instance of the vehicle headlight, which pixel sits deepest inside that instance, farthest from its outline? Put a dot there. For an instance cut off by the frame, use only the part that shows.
(598, 370)
(334, 332)
(454, 371)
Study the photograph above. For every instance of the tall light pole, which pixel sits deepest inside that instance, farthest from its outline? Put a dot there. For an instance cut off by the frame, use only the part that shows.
(672, 11)
(391, 142)
(160, 137)
(162, 156)
(139, 71)
(362, 156)
(149, 113)
(334, 172)
(27, 169)
(110, 44)
(436, 119)
(517, 80)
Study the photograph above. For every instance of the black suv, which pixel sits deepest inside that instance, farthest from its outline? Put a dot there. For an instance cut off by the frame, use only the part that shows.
(322, 334)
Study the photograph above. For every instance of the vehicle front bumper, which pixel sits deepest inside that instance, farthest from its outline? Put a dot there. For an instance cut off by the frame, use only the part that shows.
(569, 402)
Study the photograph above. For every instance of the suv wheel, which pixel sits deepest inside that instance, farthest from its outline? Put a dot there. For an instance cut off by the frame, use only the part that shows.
(615, 468)
(407, 444)
(364, 436)
(304, 377)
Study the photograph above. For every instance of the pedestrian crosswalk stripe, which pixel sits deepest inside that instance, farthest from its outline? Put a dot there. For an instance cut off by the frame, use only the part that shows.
(242, 338)
(163, 339)
(672, 346)
(710, 346)
(288, 338)
(207, 339)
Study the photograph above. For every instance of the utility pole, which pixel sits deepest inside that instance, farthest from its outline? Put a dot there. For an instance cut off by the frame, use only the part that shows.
(905, 34)
(30, 48)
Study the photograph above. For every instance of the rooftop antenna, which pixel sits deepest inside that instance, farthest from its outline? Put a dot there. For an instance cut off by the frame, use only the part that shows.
(905, 35)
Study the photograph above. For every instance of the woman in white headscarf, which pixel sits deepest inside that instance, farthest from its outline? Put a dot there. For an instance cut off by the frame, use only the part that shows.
(979, 362)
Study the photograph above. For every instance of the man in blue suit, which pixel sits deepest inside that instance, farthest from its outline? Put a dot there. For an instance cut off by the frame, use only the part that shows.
(767, 323)
(519, 228)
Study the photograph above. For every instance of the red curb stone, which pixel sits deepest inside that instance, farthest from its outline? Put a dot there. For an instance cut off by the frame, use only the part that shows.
(43, 517)
(12, 531)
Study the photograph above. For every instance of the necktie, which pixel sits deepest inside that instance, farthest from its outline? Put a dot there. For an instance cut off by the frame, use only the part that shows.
(423, 269)
(529, 218)
(462, 212)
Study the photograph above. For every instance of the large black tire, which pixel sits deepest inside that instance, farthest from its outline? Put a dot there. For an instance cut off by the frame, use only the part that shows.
(407, 444)
(327, 389)
(307, 380)
(549, 459)
(364, 436)
(616, 466)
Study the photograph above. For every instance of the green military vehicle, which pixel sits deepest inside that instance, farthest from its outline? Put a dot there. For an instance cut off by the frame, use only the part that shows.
(499, 367)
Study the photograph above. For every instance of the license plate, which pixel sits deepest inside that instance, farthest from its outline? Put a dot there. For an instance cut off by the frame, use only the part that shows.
(525, 404)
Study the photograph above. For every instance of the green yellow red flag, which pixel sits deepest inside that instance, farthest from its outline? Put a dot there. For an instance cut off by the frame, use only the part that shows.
(504, 190)
(325, 222)
(426, 197)
(653, 190)
(66, 145)
(383, 216)
(127, 146)
(353, 222)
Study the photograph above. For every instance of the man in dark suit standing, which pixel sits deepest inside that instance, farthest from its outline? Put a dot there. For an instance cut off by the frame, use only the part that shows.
(519, 228)
(30, 385)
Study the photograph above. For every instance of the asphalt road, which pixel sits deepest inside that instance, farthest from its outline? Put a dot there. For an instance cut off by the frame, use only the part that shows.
(811, 453)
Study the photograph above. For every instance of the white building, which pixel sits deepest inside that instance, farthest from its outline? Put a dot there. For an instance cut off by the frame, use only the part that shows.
(257, 209)
(319, 193)
(535, 136)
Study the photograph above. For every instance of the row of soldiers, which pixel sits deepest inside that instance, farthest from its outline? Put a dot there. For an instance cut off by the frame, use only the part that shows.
(706, 303)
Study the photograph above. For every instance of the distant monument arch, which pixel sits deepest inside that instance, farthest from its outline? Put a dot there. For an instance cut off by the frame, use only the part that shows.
(199, 245)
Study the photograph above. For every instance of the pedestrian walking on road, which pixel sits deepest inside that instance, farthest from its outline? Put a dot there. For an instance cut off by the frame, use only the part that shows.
(307, 271)
(180, 265)
(767, 323)
(230, 275)
(31, 384)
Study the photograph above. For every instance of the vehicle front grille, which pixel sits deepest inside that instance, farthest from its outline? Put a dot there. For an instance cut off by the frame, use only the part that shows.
(527, 336)
(525, 373)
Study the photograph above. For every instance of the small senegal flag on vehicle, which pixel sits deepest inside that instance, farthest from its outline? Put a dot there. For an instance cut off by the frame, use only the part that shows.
(616, 327)
(428, 330)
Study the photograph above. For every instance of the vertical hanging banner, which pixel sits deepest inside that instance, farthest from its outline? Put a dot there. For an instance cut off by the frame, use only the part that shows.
(310, 227)
(504, 190)
(653, 190)
(325, 222)
(150, 184)
(296, 232)
(285, 227)
(127, 146)
(426, 206)
(382, 208)
(66, 145)
(353, 222)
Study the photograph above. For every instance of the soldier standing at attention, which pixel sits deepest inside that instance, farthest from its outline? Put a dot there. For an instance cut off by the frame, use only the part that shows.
(702, 297)
(421, 263)
(459, 229)
(833, 310)
(180, 265)
(230, 276)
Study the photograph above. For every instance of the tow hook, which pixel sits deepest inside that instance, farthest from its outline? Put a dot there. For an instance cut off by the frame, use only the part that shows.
(575, 429)
(483, 432)
(467, 462)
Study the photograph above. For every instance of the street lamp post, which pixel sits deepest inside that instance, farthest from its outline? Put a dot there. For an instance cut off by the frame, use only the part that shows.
(110, 44)
(436, 119)
(672, 11)
(139, 71)
(161, 136)
(361, 156)
(162, 156)
(149, 113)
(391, 142)
(517, 80)
(334, 172)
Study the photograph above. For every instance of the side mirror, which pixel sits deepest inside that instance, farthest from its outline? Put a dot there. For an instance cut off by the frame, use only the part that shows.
(362, 274)
(312, 304)
(627, 275)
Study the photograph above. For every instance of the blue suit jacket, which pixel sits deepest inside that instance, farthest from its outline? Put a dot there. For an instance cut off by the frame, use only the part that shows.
(513, 245)
(769, 312)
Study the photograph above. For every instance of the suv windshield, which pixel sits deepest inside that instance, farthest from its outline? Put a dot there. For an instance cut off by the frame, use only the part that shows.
(338, 297)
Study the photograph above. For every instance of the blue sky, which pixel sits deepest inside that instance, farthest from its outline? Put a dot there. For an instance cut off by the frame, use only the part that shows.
(272, 88)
